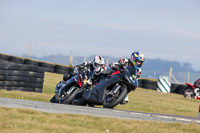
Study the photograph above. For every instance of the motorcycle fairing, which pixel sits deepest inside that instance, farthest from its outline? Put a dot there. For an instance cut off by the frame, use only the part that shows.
(188, 84)
(131, 77)
(67, 76)
(96, 95)
(58, 86)
(69, 82)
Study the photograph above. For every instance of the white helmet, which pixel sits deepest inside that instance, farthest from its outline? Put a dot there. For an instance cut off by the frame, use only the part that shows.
(98, 61)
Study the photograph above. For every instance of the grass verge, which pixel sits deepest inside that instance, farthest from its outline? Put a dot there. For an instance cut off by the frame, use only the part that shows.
(25, 120)
(142, 100)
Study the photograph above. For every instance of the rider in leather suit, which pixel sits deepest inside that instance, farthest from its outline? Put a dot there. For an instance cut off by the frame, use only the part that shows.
(136, 59)
(97, 67)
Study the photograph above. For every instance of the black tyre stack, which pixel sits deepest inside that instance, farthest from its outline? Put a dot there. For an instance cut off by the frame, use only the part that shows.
(49, 67)
(4, 57)
(62, 69)
(147, 84)
(178, 88)
(22, 77)
(25, 74)
(139, 82)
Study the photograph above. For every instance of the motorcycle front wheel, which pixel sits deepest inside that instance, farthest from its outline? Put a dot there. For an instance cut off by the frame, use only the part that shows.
(67, 98)
(189, 93)
(111, 100)
(53, 99)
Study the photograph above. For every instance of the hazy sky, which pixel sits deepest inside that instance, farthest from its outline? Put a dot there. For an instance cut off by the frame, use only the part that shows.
(165, 29)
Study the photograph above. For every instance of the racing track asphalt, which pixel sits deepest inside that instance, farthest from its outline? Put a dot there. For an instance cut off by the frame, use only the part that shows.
(94, 111)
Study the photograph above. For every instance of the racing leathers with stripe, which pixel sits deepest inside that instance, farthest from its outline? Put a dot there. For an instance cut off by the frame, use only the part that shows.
(124, 62)
(97, 71)
(119, 65)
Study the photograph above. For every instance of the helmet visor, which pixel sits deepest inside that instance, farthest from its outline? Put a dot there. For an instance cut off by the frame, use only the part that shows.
(97, 65)
(138, 63)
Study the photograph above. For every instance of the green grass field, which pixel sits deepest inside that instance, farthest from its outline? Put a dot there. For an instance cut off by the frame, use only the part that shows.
(143, 100)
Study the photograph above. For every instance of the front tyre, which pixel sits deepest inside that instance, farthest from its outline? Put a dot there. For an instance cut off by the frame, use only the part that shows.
(111, 100)
(53, 99)
(189, 93)
(67, 98)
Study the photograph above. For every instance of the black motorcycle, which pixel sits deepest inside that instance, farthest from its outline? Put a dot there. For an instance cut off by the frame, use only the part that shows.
(66, 89)
(109, 91)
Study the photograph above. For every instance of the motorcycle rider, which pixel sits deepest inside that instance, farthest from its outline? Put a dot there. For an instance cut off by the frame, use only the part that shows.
(100, 68)
(97, 67)
(136, 60)
(197, 90)
(89, 66)
(91, 70)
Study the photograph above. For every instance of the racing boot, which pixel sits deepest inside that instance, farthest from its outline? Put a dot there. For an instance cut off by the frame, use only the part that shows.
(125, 100)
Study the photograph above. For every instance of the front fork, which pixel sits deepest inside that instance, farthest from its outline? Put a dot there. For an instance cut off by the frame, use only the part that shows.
(57, 89)
(111, 94)
(60, 92)
(115, 90)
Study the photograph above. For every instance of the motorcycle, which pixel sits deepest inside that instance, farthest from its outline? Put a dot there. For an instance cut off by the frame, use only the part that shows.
(55, 98)
(110, 90)
(190, 91)
(65, 91)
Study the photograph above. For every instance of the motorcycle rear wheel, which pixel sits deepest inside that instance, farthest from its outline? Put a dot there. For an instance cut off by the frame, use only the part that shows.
(189, 93)
(112, 101)
(79, 100)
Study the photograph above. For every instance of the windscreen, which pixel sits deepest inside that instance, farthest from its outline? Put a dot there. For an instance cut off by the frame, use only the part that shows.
(131, 75)
(131, 71)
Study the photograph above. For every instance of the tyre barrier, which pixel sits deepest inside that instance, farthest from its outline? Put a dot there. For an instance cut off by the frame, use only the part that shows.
(4, 57)
(16, 59)
(173, 88)
(31, 62)
(22, 77)
(179, 88)
(149, 84)
(61, 69)
(140, 83)
(49, 67)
